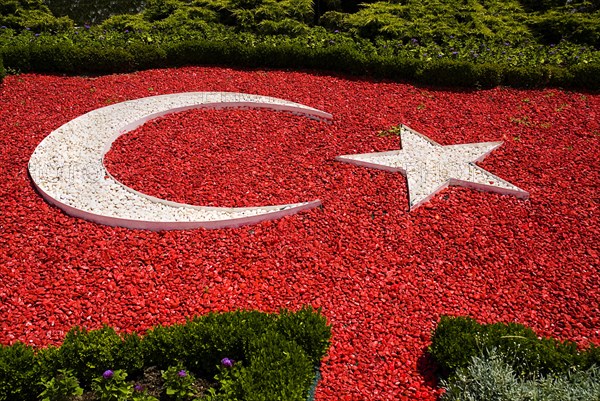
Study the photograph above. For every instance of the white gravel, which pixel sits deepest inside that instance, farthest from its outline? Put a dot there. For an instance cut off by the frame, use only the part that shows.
(429, 166)
(67, 166)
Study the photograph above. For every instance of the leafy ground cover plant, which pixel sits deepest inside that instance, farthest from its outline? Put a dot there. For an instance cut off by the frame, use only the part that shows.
(271, 348)
(457, 340)
(398, 41)
(489, 377)
(61, 387)
(510, 362)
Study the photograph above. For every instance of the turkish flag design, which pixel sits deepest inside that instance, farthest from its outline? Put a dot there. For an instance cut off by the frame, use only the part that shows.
(381, 274)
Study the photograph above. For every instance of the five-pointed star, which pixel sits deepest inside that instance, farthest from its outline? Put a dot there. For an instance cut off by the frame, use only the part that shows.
(430, 167)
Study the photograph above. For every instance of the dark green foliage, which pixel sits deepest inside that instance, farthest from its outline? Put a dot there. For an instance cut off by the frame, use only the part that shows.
(90, 353)
(586, 76)
(126, 22)
(478, 44)
(333, 20)
(60, 387)
(307, 329)
(17, 57)
(457, 340)
(2, 69)
(273, 354)
(156, 10)
(458, 74)
(395, 68)
(544, 5)
(277, 369)
(522, 77)
(286, 26)
(555, 26)
(31, 14)
(18, 378)
(444, 72)
(92, 11)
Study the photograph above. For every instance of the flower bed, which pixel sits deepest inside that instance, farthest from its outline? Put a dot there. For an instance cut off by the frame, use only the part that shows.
(237, 355)
(381, 275)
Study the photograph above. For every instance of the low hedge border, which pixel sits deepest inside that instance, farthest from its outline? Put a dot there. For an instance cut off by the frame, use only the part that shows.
(71, 59)
(2, 69)
(457, 340)
(277, 353)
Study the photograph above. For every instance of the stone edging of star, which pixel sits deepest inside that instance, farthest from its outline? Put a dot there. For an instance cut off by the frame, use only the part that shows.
(430, 167)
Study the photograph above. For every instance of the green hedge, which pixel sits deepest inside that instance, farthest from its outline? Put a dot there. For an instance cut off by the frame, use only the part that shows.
(277, 353)
(67, 57)
(462, 44)
(457, 340)
(2, 69)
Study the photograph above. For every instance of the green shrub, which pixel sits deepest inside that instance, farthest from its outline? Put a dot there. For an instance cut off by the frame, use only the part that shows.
(286, 26)
(90, 353)
(18, 373)
(273, 354)
(31, 14)
(456, 341)
(2, 69)
(488, 377)
(60, 387)
(459, 74)
(277, 369)
(307, 329)
(333, 20)
(447, 72)
(555, 26)
(439, 43)
(126, 22)
(585, 76)
(17, 58)
(156, 10)
(525, 77)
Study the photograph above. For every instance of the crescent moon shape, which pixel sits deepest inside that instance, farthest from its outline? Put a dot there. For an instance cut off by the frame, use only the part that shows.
(67, 167)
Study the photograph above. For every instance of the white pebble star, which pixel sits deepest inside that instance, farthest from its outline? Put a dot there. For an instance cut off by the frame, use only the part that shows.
(429, 167)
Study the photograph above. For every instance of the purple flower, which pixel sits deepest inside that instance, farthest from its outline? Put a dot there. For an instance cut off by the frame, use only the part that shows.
(455, 53)
(86, 26)
(138, 387)
(228, 363)
(414, 41)
(3, 27)
(108, 374)
(336, 31)
(182, 373)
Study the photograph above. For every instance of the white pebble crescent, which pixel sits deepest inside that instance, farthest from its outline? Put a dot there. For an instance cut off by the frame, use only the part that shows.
(67, 167)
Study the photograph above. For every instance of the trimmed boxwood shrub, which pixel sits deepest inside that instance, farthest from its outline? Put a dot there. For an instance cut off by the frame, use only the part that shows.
(585, 76)
(457, 340)
(174, 33)
(458, 73)
(2, 69)
(277, 354)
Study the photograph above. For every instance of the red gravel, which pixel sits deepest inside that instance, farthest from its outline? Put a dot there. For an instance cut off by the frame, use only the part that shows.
(382, 276)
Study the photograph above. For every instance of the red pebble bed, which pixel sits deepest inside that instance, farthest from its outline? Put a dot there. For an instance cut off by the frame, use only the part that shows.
(381, 275)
